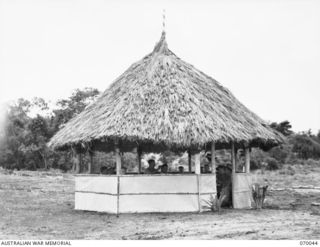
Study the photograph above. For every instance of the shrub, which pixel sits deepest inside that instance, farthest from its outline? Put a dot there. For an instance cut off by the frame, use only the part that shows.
(254, 165)
(272, 164)
(287, 170)
(258, 156)
(281, 153)
(305, 146)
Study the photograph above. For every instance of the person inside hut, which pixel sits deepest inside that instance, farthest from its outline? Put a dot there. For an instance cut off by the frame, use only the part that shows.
(108, 170)
(181, 169)
(164, 168)
(151, 169)
(207, 168)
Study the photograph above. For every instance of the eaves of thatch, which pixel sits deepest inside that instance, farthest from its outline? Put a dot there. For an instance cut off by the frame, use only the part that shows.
(162, 102)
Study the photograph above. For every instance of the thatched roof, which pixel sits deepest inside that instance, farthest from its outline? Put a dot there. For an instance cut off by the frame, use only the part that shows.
(163, 102)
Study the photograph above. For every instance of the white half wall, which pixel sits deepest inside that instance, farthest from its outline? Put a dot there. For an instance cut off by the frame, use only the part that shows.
(96, 202)
(241, 194)
(144, 193)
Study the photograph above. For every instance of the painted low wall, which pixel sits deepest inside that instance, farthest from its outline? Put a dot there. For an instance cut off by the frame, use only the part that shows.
(144, 193)
(242, 192)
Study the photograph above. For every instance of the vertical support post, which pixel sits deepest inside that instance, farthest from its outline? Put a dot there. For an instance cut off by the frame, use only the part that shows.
(118, 194)
(118, 172)
(197, 163)
(213, 157)
(233, 158)
(90, 165)
(189, 161)
(199, 192)
(79, 165)
(247, 158)
(198, 172)
(118, 161)
(139, 159)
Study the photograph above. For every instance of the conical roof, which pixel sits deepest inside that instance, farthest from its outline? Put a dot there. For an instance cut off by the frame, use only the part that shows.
(163, 102)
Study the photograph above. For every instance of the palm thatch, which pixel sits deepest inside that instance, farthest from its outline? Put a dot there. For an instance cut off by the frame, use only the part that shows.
(162, 102)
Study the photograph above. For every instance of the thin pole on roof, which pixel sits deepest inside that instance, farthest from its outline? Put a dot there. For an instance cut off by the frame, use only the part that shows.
(164, 20)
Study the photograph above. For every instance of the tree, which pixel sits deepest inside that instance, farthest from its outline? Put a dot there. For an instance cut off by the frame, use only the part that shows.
(284, 127)
(305, 146)
(67, 109)
(76, 103)
(318, 136)
(38, 136)
(24, 137)
(14, 133)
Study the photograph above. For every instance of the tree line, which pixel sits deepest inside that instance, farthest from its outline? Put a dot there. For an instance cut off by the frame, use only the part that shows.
(24, 134)
(23, 137)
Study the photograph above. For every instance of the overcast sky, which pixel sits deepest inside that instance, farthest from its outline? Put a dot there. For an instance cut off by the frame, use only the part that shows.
(266, 52)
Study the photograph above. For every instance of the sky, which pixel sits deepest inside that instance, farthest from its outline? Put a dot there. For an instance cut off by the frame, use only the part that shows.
(267, 53)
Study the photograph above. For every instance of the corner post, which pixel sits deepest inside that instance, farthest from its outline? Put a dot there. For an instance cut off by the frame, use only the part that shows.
(233, 158)
(213, 158)
(198, 172)
(118, 172)
(247, 158)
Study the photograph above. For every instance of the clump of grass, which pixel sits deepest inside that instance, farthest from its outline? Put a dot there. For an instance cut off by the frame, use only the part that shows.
(287, 170)
(214, 203)
(258, 194)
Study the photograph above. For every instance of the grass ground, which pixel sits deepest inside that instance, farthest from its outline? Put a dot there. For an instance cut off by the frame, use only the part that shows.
(39, 205)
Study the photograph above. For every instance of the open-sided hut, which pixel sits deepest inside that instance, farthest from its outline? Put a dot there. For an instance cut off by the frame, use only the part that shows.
(163, 103)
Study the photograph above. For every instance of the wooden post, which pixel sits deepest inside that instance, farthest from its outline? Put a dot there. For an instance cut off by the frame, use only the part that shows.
(90, 165)
(139, 159)
(198, 172)
(79, 163)
(118, 161)
(197, 163)
(189, 161)
(118, 194)
(247, 158)
(213, 157)
(233, 158)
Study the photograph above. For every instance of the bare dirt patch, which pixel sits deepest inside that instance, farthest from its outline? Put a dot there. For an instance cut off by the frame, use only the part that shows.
(39, 205)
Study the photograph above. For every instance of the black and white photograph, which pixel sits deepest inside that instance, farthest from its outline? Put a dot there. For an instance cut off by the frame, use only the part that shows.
(159, 120)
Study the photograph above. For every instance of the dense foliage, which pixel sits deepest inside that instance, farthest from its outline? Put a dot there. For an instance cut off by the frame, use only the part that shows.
(24, 136)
